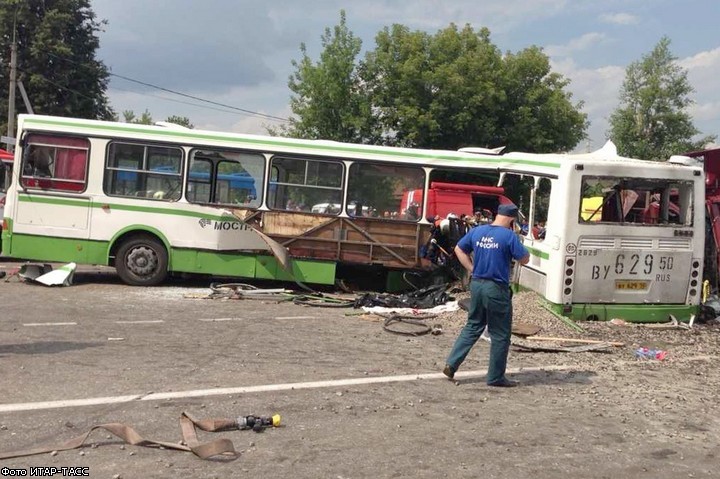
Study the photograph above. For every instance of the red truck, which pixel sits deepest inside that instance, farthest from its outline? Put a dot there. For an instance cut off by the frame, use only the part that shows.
(458, 199)
(711, 163)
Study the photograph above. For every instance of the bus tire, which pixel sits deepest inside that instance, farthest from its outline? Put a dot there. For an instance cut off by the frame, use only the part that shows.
(142, 261)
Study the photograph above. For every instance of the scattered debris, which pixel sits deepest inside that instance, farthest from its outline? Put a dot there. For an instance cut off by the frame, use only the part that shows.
(30, 271)
(647, 353)
(420, 327)
(420, 299)
(574, 340)
(44, 274)
(522, 329)
(599, 347)
(245, 291)
(413, 312)
(673, 324)
(62, 276)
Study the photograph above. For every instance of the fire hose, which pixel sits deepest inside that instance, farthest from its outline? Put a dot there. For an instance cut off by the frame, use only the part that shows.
(190, 443)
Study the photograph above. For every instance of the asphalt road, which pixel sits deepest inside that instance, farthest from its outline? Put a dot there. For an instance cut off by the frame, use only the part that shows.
(355, 401)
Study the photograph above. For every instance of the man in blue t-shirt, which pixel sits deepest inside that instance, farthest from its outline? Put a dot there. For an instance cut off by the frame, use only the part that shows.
(493, 246)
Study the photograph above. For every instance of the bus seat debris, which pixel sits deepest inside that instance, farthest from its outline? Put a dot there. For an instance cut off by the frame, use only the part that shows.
(45, 274)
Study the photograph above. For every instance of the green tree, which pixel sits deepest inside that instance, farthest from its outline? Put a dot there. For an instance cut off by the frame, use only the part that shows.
(428, 90)
(447, 90)
(145, 119)
(327, 97)
(180, 120)
(652, 122)
(56, 47)
(538, 114)
(456, 88)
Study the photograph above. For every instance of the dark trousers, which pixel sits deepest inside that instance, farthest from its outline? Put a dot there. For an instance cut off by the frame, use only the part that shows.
(491, 305)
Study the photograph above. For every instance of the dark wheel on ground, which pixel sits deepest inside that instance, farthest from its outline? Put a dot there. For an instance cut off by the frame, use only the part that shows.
(142, 261)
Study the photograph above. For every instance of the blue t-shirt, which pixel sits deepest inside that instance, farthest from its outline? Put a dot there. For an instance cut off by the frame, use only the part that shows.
(493, 247)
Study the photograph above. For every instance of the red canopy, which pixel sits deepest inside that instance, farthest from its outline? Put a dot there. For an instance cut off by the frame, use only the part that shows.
(5, 155)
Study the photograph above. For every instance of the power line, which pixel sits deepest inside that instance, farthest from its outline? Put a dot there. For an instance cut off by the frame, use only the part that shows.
(270, 117)
(249, 112)
(45, 79)
(180, 101)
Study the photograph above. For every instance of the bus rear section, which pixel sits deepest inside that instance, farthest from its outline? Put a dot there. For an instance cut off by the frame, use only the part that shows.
(633, 245)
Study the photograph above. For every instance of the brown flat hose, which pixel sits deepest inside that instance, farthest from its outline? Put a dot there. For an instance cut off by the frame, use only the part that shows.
(190, 443)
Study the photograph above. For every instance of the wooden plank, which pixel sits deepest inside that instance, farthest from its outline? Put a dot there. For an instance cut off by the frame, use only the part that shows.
(573, 340)
(600, 347)
(372, 239)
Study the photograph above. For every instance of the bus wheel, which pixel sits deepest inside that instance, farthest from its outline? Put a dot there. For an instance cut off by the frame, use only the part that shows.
(142, 261)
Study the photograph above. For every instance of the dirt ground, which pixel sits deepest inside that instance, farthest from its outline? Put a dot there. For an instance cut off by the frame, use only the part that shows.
(356, 401)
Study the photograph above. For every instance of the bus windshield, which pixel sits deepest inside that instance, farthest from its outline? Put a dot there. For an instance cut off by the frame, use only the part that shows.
(636, 201)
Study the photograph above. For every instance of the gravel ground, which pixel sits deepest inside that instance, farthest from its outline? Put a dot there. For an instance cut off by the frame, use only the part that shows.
(680, 343)
(582, 414)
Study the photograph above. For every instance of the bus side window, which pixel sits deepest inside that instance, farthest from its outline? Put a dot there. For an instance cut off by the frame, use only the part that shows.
(374, 190)
(55, 163)
(143, 171)
(225, 177)
(304, 184)
(539, 218)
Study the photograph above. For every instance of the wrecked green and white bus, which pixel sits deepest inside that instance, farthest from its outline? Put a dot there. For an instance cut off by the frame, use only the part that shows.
(154, 200)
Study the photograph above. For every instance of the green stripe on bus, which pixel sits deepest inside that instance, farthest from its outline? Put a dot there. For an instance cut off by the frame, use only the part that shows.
(123, 127)
(84, 251)
(252, 266)
(58, 250)
(632, 313)
(537, 252)
(53, 200)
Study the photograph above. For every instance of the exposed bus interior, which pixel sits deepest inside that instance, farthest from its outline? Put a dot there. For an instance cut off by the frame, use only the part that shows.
(636, 201)
(382, 221)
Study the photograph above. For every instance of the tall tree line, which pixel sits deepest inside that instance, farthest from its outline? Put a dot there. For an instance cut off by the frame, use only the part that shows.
(448, 90)
(56, 55)
(456, 88)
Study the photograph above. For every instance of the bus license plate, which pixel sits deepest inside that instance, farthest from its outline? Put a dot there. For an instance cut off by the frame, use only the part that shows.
(631, 285)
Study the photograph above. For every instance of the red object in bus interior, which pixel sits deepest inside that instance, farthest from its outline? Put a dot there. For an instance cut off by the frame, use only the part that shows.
(459, 199)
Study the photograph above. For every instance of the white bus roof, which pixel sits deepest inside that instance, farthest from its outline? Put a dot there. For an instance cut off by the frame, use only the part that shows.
(543, 164)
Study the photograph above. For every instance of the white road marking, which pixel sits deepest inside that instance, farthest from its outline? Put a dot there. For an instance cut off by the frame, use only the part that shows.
(50, 324)
(34, 406)
(149, 321)
(69, 403)
(212, 320)
(295, 317)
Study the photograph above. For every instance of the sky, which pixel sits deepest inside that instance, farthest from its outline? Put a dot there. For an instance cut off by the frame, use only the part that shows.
(239, 52)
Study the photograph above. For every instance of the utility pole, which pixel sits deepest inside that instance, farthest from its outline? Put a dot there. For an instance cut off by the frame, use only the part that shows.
(13, 83)
(13, 87)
